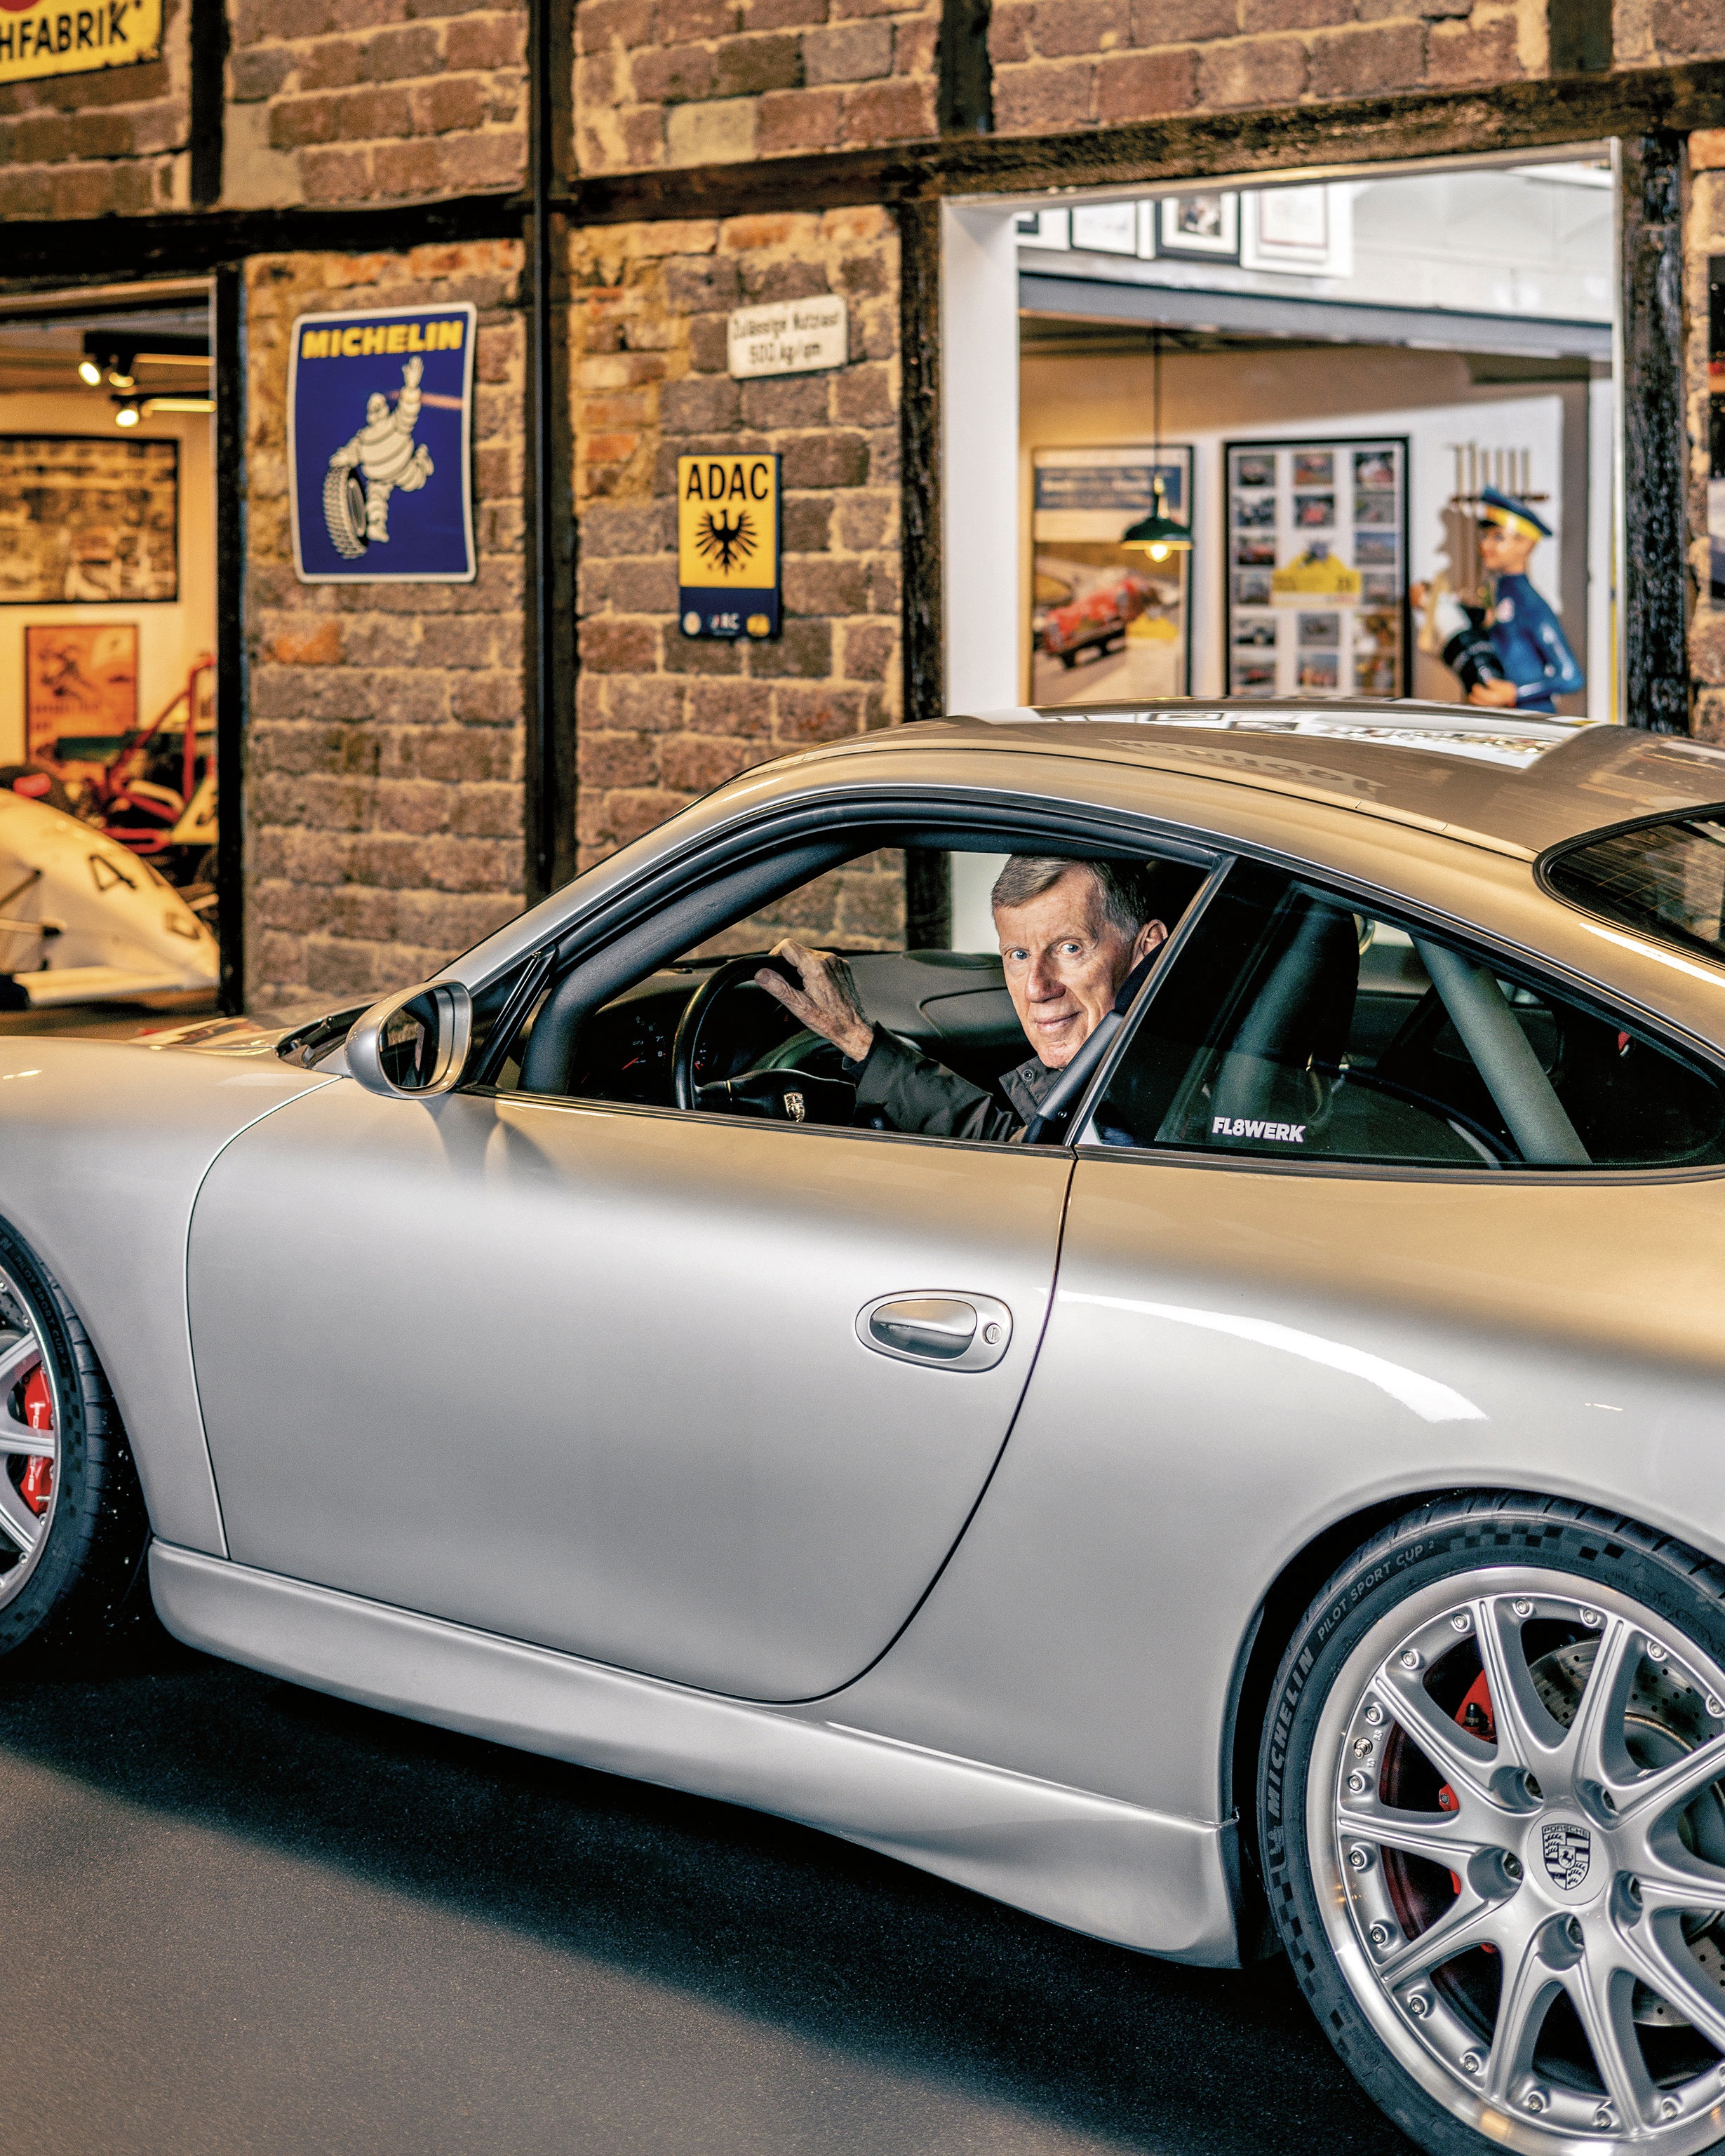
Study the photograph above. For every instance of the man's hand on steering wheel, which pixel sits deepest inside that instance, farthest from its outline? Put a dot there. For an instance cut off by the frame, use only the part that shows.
(826, 1002)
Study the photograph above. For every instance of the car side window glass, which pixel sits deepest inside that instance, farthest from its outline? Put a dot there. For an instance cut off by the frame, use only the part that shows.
(1295, 1025)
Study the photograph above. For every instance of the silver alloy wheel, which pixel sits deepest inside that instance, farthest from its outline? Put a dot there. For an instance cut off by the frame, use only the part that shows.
(1518, 1846)
(24, 1531)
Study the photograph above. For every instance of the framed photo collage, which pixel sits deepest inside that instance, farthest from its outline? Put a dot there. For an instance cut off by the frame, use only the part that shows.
(1316, 587)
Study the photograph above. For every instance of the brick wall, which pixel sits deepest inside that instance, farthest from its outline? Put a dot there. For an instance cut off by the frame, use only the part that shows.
(383, 794)
(662, 717)
(367, 100)
(109, 143)
(696, 82)
(1704, 237)
(1065, 65)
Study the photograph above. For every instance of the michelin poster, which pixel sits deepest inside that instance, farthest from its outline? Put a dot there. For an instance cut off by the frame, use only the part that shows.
(380, 420)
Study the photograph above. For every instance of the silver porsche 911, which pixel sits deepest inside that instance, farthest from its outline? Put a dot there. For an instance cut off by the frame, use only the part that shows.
(1268, 1496)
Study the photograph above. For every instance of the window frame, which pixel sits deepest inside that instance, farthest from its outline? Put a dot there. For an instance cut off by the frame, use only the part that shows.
(1546, 974)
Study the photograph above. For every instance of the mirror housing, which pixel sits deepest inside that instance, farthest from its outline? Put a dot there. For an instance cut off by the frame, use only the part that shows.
(414, 1043)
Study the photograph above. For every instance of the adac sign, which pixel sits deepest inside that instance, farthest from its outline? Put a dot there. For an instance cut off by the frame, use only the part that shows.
(727, 546)
(48, 37)
(380, 413)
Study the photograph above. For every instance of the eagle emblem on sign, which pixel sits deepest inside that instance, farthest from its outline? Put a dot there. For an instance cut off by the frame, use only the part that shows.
(1568, 1851)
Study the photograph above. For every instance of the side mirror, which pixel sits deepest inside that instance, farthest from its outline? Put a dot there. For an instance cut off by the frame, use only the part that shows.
(414, 1043)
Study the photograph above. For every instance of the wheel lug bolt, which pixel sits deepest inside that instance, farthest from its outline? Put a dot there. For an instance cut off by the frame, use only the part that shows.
(1472, 2062)
(1530, 1782)
(1571, 1931)
(1361, 1747)
(1716, 1708)
(1536, 2100)
(1605, 2118)
(1523, 1607)
(1374, 1714)
(1408, 1658)
(1656, 1653)
(1591, 1619)
(1356, 1784)
(1632, 1888)
(1669, 2108)
(1462, 1622)
(1379, 1936)
(1359, 1860)
(1511, 1867)
(1418, 2006)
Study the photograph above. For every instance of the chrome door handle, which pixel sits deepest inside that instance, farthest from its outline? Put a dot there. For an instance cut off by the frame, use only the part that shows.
(951, 1332)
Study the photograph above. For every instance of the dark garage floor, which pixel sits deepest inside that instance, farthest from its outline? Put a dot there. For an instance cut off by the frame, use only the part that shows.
(241, 1917)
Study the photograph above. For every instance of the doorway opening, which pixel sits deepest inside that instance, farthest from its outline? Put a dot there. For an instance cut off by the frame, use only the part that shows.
(109, 622)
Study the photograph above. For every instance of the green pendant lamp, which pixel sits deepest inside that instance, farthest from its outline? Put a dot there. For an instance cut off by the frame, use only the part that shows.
(1157, 535)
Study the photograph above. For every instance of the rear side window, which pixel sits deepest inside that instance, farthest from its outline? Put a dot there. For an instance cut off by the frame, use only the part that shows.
(1296, 1026)
(1665, 880)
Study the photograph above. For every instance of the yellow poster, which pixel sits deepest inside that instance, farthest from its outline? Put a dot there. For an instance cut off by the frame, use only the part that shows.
(727, 546)
(52, 37)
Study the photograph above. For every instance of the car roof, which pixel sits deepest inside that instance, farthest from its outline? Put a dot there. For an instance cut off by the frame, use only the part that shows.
(1521, 784)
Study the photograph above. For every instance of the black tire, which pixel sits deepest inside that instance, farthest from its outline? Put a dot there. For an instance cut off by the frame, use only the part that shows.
(89, 1589)
(1410, 1569)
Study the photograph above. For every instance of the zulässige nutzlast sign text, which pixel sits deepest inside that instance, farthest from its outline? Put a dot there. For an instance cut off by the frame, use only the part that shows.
(727, 546)
(380, 422)
(40, 38)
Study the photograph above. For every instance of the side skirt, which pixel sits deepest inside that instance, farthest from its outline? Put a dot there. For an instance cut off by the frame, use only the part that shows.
(1137, 1878)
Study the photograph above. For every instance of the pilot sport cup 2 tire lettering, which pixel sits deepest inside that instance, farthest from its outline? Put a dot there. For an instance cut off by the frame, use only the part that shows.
(1493, 1828)
(73, 1527)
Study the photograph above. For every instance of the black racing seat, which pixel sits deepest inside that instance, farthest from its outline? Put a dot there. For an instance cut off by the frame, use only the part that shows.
(1279, 1058)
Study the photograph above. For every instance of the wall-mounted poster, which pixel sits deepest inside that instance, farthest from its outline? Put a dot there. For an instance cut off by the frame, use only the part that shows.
(1106, 620)
(1316, 568)
(380, 424)
(80, 692)
(88, 519)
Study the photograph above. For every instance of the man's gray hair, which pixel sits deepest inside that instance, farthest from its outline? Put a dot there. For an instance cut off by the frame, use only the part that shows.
(1127, 904)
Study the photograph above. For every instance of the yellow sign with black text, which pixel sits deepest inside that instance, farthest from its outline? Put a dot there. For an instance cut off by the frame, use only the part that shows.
(727, 546)
(52, 37)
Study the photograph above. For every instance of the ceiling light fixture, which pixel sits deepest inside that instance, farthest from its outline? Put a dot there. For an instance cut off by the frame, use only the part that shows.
(153, 404)
(128, 414)
(90, 373)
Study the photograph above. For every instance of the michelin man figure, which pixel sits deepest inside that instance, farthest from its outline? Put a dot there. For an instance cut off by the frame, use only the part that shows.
(1511, 653)
(385, 451)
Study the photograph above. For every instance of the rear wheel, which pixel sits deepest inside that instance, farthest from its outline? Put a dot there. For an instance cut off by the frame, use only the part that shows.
(72, 1529)
(1492, 1812)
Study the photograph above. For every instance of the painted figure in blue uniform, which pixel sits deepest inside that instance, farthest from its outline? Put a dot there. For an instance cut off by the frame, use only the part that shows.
(1512, 653)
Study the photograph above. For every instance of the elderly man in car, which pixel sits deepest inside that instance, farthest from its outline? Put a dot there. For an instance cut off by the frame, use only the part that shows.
(1070, 933)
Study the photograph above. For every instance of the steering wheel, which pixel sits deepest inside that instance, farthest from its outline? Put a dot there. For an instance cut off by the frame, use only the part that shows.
(790, 1095)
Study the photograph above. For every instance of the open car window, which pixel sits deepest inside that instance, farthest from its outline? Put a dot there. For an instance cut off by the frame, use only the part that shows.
(1294, 1025)
(694, 1031)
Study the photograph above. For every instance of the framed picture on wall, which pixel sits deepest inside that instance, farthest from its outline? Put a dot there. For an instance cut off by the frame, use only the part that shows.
(1205, 226)
(1316, 582)
(1305, 232)
(88, 519)
(80, 692)
(1106, 620)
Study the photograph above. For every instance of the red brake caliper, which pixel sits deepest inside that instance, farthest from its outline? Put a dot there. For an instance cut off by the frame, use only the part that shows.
(1474, 1715)
(38, 1485)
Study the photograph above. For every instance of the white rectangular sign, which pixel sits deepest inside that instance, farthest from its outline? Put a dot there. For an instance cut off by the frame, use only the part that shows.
(798, 336)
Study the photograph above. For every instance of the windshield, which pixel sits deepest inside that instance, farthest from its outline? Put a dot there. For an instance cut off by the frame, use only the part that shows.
(1665, 880)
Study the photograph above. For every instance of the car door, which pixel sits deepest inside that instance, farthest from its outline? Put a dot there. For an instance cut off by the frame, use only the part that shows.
(593, 1376)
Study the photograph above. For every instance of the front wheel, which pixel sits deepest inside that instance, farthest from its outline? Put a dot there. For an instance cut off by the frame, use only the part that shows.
(1492, 1815)
(73, 1527)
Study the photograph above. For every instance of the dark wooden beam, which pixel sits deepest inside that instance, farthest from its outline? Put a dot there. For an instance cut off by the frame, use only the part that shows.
(209, 99)
(1654, 612)
(929, 884)
(228, 379)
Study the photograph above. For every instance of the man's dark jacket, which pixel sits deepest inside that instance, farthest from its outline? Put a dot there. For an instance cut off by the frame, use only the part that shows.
(915, 1093)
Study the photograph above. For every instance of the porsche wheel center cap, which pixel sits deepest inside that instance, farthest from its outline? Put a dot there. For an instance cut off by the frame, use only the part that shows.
(1566, 1848)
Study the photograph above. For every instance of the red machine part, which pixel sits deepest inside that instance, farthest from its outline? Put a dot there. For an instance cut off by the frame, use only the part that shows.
(37, 1486)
